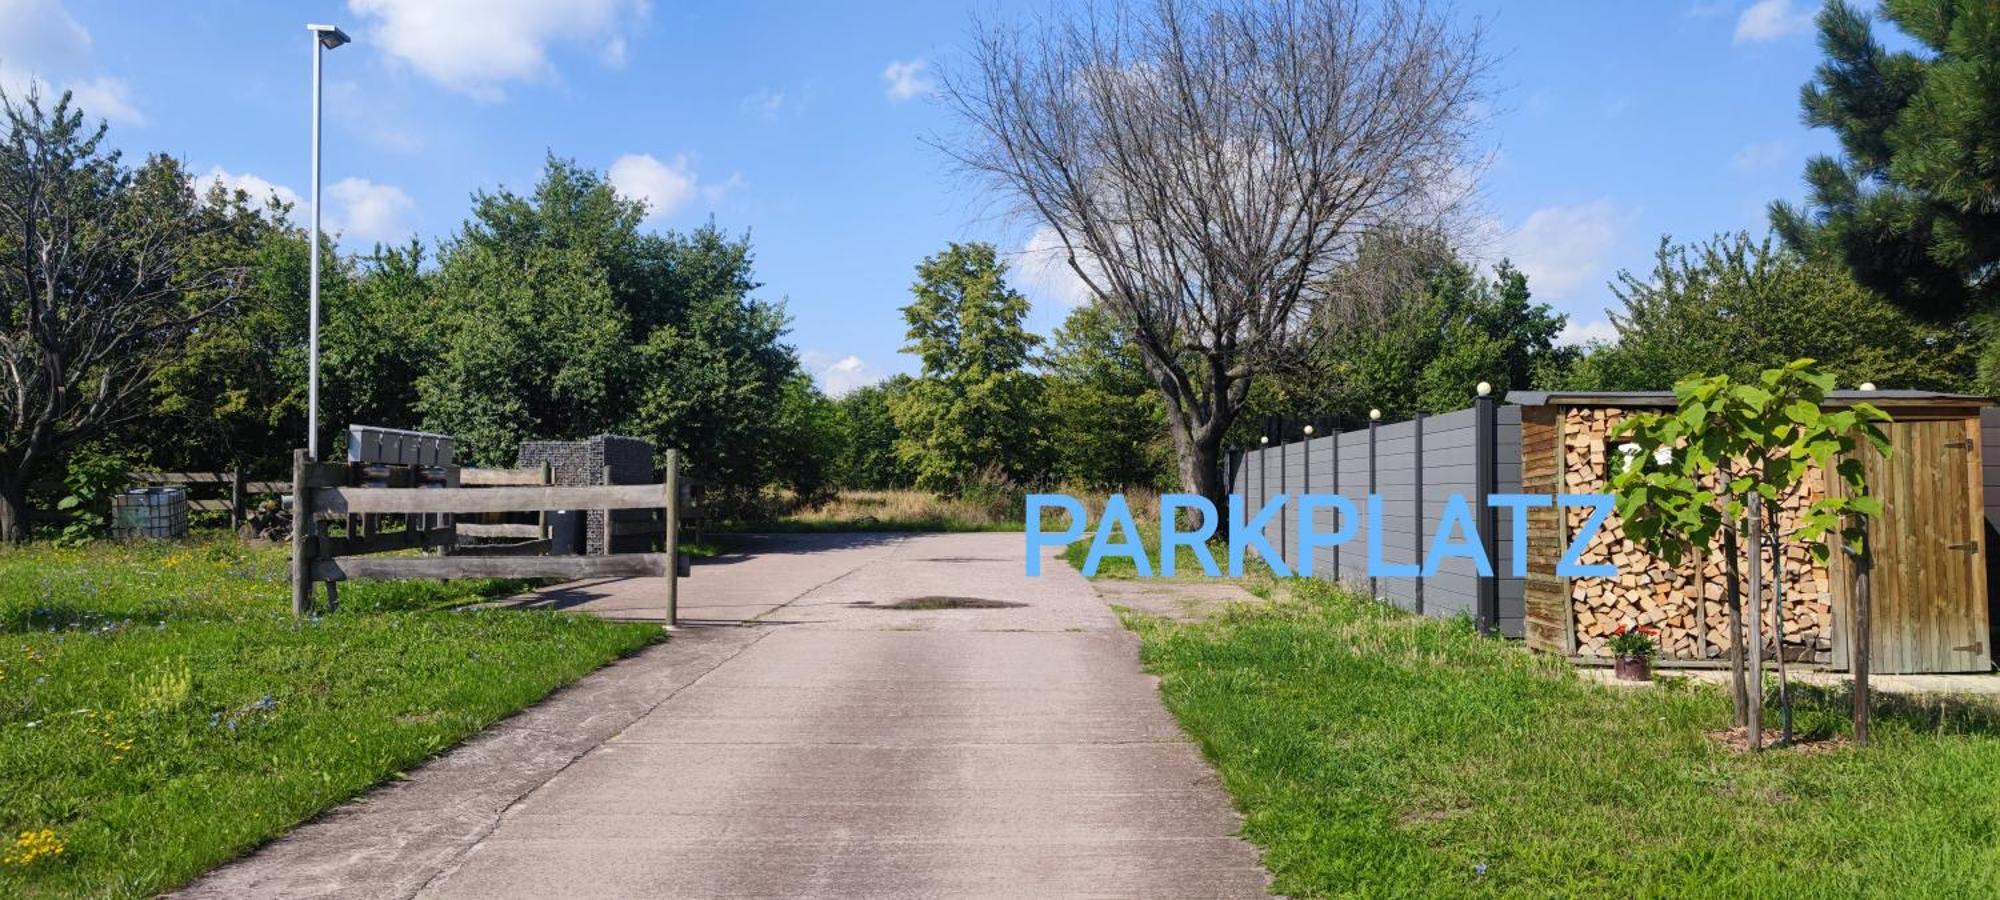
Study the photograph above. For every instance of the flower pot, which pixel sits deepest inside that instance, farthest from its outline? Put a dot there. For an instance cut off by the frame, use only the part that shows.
(1633, 668)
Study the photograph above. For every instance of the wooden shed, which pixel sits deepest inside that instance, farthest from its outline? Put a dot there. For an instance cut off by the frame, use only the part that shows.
(1930, 585)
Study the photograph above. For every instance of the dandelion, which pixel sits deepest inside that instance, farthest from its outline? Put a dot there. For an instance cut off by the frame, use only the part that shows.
(32, 846)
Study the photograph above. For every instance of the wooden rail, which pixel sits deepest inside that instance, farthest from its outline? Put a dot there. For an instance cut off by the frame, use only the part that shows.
(324, 493)
(236, 490)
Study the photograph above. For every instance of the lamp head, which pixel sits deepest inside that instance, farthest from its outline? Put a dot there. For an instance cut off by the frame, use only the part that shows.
(1309, 431)
(1484, 388)
(329, 36)
(1374, 415)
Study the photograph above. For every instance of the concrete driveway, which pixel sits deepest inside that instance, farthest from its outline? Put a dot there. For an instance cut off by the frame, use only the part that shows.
(832, 727)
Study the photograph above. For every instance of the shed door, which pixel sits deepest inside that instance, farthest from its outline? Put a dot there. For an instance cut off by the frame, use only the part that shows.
(1929, 580)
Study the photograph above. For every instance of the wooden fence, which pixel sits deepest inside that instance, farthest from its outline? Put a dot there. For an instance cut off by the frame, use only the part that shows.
(229, 492)
(360, 496)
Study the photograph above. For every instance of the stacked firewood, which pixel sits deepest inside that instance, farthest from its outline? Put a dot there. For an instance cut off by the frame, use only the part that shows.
(1684, 605)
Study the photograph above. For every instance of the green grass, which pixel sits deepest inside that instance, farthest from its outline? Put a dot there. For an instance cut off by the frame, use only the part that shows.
(1378, 753)
(162, 712)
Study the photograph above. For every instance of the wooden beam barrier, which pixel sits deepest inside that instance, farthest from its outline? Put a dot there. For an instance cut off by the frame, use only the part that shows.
(624, 565)
(346, 501)
(503, 477)
(504, 530)
(523, 548)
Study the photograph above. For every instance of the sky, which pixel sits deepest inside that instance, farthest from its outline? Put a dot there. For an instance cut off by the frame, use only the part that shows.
(804, 125)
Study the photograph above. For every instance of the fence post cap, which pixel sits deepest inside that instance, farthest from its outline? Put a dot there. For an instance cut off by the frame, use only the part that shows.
(1374, 415)
(1309, 429)
(1263, 439)
(1484, 388)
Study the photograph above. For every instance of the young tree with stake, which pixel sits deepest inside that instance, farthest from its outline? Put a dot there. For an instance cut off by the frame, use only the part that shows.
(1731, 447)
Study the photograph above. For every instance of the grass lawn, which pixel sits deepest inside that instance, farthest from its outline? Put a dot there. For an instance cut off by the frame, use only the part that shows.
(161, 711)
(1375, 752)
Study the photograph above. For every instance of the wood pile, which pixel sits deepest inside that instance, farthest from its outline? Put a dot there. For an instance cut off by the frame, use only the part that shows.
(1686, 604)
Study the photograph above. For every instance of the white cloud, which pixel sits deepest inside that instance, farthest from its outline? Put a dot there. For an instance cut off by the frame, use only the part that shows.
(1757, 157)
(43, 48)
(1596, 331)
(476, 47)
(259, 189)
(109, 98)
(907, 79)
(365, 212)
(666, 187)
(1045, 273)
(1563, 248)
(1770, 20)
(837, 376)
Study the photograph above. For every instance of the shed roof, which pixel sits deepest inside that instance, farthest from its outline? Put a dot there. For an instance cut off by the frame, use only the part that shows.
(1885, 399)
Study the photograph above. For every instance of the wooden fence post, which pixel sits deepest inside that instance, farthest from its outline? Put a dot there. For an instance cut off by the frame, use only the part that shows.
(302, 543)
(237, 513)
(670, 528)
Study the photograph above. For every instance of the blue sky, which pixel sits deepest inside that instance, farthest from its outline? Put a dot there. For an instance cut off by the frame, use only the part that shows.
(802, 123)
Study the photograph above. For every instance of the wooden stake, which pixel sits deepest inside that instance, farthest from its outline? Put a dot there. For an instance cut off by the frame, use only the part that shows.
(1732, 577)
(1863, 636)
(1755, 725)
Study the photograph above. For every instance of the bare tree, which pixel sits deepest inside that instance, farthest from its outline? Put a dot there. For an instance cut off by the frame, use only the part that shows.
(97, 287)
(1208, 166)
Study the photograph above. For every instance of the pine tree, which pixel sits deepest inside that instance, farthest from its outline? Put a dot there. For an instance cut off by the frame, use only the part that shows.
(1912, 205)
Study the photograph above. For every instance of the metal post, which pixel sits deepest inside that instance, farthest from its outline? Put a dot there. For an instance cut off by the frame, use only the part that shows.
(1374, 584)
(1335, 458)
(670, 526)
(312, 267)
(1486, 438)
(1284, 527)
(1418, 520)
(1306, 472)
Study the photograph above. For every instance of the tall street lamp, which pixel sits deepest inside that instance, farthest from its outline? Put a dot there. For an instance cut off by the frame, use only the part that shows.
(325, 37)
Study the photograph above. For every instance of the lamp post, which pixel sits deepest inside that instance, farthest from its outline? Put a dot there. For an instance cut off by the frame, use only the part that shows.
(325, 37)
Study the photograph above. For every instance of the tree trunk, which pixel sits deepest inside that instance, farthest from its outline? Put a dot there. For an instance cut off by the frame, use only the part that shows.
(1201, 474)
(13, 512)
(1738, 690)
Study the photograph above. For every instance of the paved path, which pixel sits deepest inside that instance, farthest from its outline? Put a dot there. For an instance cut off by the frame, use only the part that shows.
(808, 741)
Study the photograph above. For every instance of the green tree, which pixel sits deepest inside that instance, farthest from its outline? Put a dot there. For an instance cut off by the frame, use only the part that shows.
(102, 278)
(381, 337)
(1417, 330)
(1909, 206)
(1106, 425)
(1735, 305)
(869, 457)
(808, 441)
(235, 395)
(975, 407)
